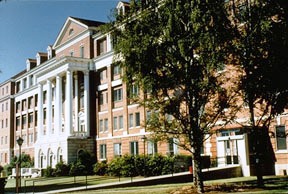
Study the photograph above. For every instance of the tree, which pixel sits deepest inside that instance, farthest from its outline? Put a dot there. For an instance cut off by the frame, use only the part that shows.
(175, 51)
(262, 46)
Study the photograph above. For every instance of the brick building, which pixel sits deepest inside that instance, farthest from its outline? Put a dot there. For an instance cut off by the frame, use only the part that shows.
(72, 99)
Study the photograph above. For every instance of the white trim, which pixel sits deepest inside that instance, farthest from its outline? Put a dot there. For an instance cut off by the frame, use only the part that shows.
(117, 82)
(72, 42)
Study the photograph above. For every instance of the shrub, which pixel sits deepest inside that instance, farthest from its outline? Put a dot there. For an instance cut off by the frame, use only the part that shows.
(62, 169)
(77, 169)
(115, 167)
(1, 168)
(129, 167)
(49, 172)
(101, 168)
(85, 159)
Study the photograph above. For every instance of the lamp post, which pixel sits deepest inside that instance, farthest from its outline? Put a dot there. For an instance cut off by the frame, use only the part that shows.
(19, 142)
(144, 138)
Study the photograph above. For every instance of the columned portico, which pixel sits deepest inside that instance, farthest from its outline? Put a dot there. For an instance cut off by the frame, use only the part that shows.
(86, 103)
(40, 111)
(76, 103)
(58, 106)
(49, 108)
(68, 103)
(71, 121)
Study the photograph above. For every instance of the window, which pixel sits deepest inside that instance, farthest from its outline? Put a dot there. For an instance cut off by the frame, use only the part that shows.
(137, 119)
(36, 118)
(24, 105)
(24, 121)
(117, 95)
(281, 138)
(82, 51)
(101, 46)
(30, 102)
(103, 74)
(134, 150)
(116, 70)
(115, 119)
(117, 149)
(31, 80)
(106, 125)
(120, 122)
(17, 123)
(24, 83)
(101, 126)
(133, 91)
(30, 120)
(30, 137)
(44, 97)
(103, 151)
(152, 147)
(172, 147)
(18, 87)
(101, 98)
(44, 116)
(131, 124)
(6, 106)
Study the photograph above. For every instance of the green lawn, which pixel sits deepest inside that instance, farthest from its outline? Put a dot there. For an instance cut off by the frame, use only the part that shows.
(273, 185)
(45, 184)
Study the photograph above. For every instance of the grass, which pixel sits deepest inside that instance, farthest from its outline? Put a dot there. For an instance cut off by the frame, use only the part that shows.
(273, 185)
(45, 184)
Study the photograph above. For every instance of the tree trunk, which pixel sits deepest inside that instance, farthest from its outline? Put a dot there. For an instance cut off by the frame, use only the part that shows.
(197, 170)
(197, 165)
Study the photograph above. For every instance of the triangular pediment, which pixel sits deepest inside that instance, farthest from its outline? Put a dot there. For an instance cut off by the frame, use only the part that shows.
(70, 30)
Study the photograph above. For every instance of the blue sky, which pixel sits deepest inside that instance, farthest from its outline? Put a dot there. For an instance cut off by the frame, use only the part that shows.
(29, 26)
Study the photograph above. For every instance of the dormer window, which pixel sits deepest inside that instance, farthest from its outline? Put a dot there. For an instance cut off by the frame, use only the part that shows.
(71, 31)
(50, 52)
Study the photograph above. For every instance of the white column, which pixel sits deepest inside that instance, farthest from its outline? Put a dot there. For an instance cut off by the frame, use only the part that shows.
(86, 103)
(40, 112)
(76, 102)
(68, 103)
(49, 108)
(58, 105)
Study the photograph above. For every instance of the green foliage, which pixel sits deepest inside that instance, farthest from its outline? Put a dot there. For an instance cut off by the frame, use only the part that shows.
(130, 166)
(179, 46)
(78, 169)
(85, 159)
(115, 167)
(101, 168)
(62, 169)
(49, 172)
(26, 162)
(1, 168)
(261, 49)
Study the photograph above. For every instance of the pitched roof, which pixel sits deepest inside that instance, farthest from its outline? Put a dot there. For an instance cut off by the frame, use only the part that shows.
(89, 23)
